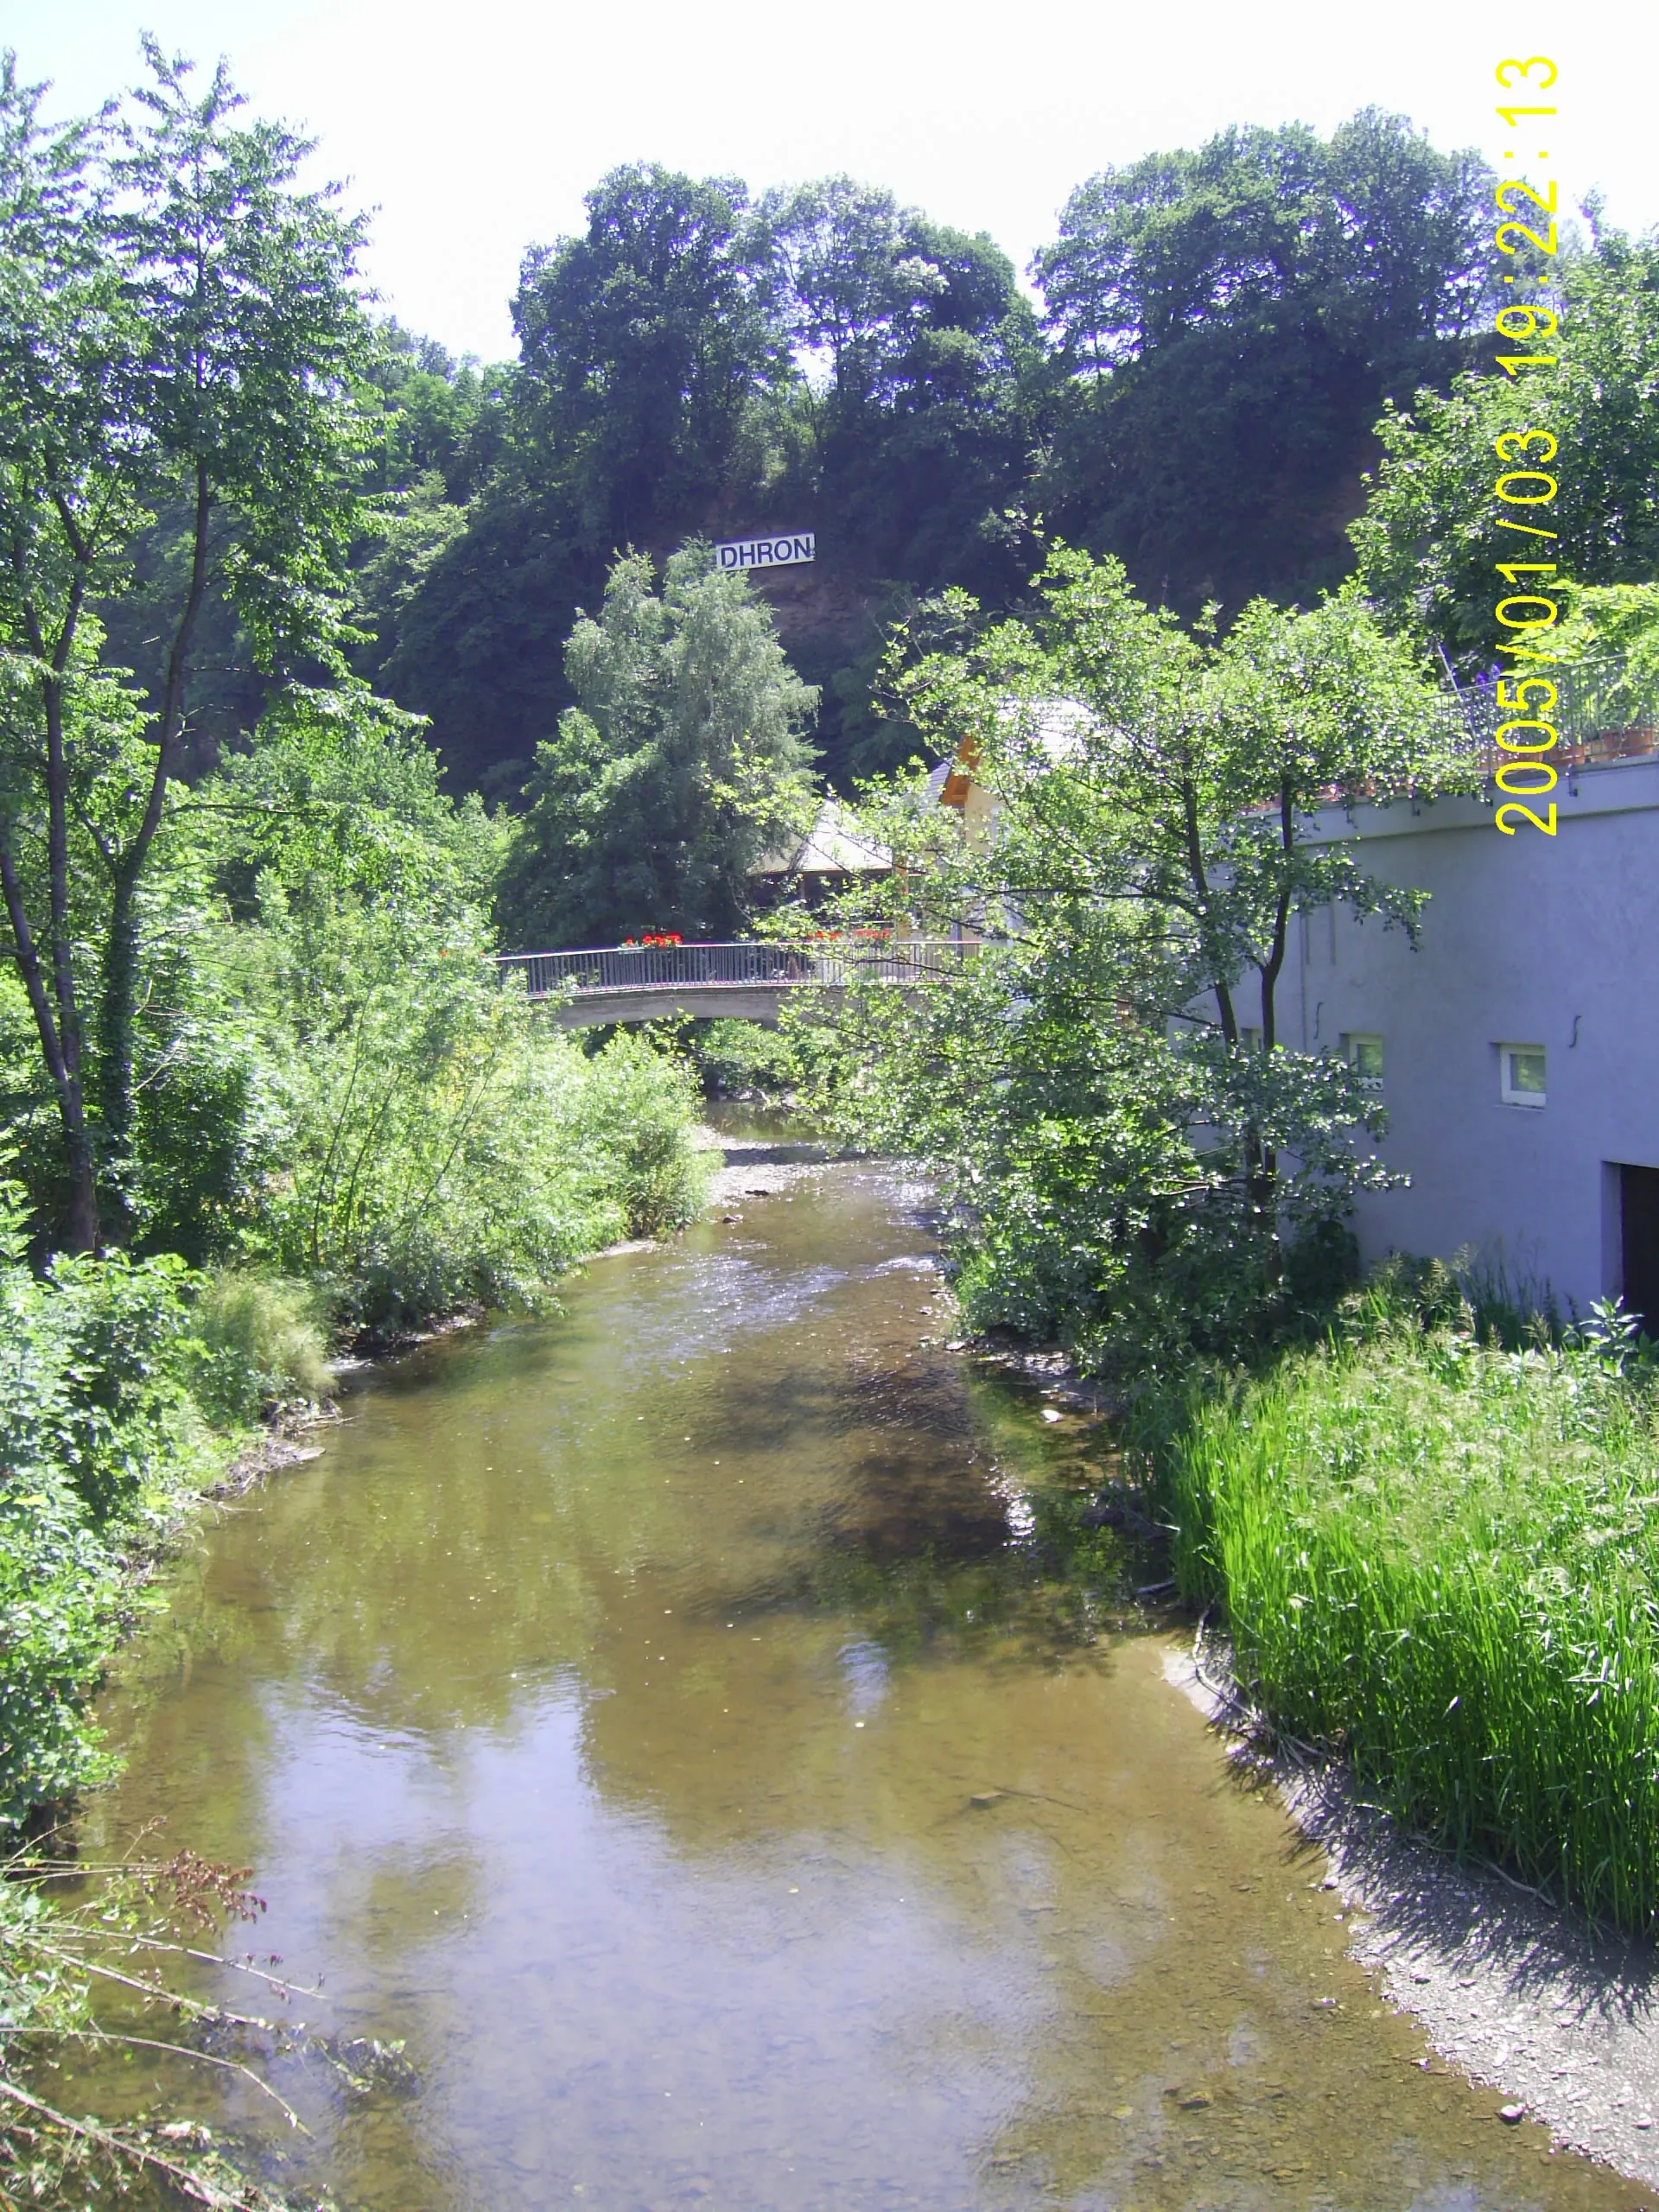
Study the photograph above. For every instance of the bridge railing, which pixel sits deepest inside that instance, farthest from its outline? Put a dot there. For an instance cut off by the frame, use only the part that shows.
(837, 964)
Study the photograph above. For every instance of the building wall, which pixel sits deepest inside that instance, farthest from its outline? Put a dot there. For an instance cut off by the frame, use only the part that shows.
(1525, 940)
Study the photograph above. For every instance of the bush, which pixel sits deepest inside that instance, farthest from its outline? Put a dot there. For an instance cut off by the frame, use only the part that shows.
(738, 1057)
(98, 1445)
(113, 1332)
(441, 1144)
(637, 1112)
(1096, 1168)
(262, 1345)
(1442, 1559)
(201, 1155)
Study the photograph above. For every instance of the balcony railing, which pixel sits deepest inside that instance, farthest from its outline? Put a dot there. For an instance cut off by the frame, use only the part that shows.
(1604, 711)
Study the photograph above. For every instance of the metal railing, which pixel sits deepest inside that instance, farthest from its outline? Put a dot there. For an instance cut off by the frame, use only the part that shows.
(835, 963)
(1604, 711)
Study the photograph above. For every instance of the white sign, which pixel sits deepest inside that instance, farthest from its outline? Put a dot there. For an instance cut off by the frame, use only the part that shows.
(780, 552)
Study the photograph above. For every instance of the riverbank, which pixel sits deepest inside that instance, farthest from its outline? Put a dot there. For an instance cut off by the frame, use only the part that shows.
(1432, 1556)
(1513, 1993)
(1509, 1987)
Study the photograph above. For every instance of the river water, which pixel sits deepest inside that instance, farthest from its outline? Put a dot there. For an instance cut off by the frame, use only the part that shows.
(656, 1719)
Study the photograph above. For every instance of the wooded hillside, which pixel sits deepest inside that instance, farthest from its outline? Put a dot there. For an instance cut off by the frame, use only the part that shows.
(1214, 335)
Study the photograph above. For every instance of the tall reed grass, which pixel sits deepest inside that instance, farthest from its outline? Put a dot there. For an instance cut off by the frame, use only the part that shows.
(1440, 1557)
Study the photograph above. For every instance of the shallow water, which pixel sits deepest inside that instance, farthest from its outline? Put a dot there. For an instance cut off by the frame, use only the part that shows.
(656, 1718)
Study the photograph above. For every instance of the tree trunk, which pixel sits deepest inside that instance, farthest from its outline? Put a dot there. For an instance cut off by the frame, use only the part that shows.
(61, 1048)
(118, 1007)
(119, 1001)
(1265, 1195)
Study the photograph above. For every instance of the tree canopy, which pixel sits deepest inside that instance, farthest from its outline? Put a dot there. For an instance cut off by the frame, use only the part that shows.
(1229, 323)
(1425, 539)
(1219, 329)
(683, 758)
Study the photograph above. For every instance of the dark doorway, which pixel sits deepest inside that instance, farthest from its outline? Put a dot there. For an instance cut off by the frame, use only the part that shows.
(1638, 1223)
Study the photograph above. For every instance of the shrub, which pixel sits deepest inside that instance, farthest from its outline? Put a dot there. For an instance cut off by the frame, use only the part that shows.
(60, 1592)
(97, 1445)
(637, 1112)
(1442, 1558)
(445, 1145)
(744, 1056)
(200, 1151)
(117, 1330)
(262, 1345)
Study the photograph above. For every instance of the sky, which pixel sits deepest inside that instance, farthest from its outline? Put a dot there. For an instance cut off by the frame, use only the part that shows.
(472, 131)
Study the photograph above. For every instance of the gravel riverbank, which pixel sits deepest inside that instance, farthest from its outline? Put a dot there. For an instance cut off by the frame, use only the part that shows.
(1507, 1987)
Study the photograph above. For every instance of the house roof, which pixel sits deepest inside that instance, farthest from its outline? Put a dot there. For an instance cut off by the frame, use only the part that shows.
(834, 846)
(1059, 727)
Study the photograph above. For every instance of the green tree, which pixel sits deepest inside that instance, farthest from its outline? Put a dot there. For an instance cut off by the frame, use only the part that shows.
(1229, 322)
(691, 365)
(443, 432)
(686, 755)
(927, 354)
(1428, 540)
(182, 334)
(1122, 1155)
(645, 343)
(651, 393)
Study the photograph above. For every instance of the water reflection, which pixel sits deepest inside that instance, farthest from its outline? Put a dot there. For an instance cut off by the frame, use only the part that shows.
(657, 1718)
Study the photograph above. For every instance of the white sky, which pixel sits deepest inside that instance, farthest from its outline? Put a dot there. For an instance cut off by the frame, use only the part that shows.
(473, 130)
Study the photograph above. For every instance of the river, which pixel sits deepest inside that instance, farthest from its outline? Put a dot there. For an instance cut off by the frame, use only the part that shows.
(656, 1719)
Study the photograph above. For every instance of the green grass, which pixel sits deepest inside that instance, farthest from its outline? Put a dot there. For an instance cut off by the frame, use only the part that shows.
(1440, 1557)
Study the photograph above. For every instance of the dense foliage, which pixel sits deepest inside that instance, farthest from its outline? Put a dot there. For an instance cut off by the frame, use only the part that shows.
(682, 760)
(1219, 330)
(1425, 539)
(1438, 1557)
(1127, 1142)
(1230, 322)
(97, 1444)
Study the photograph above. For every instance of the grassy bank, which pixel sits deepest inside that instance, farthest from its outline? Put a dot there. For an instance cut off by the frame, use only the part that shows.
(126, 1386)
(1438, 1558)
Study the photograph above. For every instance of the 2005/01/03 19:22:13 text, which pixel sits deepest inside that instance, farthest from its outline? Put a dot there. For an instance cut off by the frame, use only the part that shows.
(1525, 483)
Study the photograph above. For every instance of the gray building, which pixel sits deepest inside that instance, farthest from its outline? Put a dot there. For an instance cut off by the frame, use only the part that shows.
(1517, 1048)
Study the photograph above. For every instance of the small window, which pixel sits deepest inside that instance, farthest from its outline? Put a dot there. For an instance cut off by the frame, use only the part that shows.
(1364, 1053)
(1521, 1074)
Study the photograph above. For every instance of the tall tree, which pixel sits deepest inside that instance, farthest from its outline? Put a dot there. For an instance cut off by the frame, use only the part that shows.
(926, 355)
(645, 342)
(1122, 1150)
(684, 757)
(1428, 540)
(1230, 321)
(182, 336)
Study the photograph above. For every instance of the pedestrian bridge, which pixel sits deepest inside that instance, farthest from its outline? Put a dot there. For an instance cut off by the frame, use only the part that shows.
(744, 981)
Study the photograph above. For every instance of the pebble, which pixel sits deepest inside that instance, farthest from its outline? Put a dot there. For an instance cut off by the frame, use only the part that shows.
(1511, 2115)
